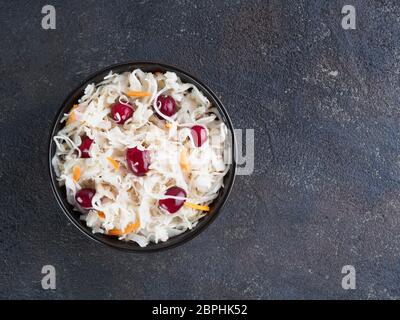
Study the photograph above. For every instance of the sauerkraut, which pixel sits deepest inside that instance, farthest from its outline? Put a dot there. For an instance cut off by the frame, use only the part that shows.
(126, 204)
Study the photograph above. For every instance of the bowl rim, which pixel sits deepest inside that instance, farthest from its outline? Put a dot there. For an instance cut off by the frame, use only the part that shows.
(152, 247)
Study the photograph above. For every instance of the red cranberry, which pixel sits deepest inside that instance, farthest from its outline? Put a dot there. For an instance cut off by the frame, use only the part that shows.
(84, 197)
(199, 134)
(166, 105)
(85, 146)
(138, 161)
(173, 205)
(121, 112)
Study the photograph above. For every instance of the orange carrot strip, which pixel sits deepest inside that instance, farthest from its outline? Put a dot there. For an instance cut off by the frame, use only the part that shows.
(76, 173)
(130, 228)
(113, 162)
(183, 161)
(72, 115)
(196, 206)
(138, 94)
(101, 214)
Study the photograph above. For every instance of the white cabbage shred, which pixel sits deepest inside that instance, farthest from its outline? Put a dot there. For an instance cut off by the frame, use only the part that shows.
(120, 195)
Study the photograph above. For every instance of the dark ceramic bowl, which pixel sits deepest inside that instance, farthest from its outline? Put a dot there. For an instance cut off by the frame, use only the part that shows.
(216, 206)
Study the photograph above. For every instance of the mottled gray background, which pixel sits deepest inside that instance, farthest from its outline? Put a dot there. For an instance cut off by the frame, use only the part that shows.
(325, 190)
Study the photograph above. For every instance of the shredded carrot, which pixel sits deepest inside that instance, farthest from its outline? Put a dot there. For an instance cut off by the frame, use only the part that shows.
(196, 206)
(138, 94)
(72, 115)
(71, 118)
(113, 162)
(168, 125)
(160, 84)
(76, 173)
(130, 228)
(101, 214)
(183, 161)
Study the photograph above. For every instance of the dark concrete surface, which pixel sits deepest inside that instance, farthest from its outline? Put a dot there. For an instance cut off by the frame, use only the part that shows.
(326, 186)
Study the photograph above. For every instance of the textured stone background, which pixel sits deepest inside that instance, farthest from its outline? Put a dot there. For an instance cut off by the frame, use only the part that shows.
(325, 190)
